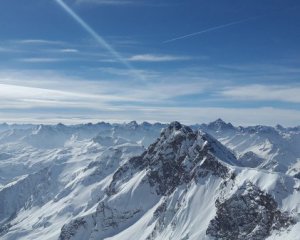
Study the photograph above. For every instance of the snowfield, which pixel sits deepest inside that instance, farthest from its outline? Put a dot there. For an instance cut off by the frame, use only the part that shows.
(149, 182)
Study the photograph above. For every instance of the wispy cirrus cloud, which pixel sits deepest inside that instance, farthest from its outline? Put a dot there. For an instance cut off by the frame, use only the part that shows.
(259, 92)
(187, 115)
(18, 96)
(45, 97)
(106, 2)
(40, 85)
(40, 60)
(117, 72)
(152, 3)
(262, 68)
(211, 29)
(98, 38)
(69, 50)
(85, 104)
(39, 42)
(157, 58)
(6, 50)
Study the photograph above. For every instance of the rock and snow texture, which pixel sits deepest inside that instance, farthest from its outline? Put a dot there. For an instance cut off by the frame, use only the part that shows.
(108, 182)
(270, 148)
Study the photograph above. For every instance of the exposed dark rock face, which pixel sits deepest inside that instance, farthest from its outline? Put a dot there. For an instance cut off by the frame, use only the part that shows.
(248, 214)
(164, 215)
(212, 166)
(105, 218)
(68, 231)
(175, 158)
(297, 175)
(250, 159)
(111, 217)
(4, 229)
(28, 194)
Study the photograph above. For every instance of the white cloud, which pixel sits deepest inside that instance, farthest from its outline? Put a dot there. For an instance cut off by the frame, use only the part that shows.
(39, 88)
(157, 58)
(17, 97)
(263, 93)
(39, 42)
(186, 115)
(5, 49)
(237, 116)
(127, 72)
(74, 100)
(152, 3)
(40, 60)
(69, 50)
(262, 68)
(106, 2)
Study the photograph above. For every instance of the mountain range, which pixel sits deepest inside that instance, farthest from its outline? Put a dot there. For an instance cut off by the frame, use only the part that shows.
(149, 181)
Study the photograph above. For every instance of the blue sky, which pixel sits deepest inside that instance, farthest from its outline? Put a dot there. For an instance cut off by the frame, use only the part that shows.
(147, 60)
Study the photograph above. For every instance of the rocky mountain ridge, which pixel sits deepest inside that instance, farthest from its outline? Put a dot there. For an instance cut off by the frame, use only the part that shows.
(108, 185)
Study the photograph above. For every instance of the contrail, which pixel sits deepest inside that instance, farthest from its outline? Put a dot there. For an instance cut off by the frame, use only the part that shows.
(210, 29)
(97, 37)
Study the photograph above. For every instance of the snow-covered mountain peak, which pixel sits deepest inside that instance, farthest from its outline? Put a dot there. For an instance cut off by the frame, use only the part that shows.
(280, 128)
(263, 130)
(220, 125)
(132, 125)
(174, 129)
(177, 157)
(180, 141)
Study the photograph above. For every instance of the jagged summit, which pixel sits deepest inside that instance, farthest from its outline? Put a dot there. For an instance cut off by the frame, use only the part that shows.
(175, 125)
(173, 159)
(219, 121)
(179, 134)
(219, 124)
(175, 128)
(132, 124)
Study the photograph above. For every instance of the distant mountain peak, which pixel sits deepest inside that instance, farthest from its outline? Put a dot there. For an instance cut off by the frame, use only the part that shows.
(133, 123)
(219, 124)
(219, 120)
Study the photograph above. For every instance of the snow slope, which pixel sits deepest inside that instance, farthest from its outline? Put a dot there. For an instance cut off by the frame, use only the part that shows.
(271, 148)
(185, 187)
(106, 181)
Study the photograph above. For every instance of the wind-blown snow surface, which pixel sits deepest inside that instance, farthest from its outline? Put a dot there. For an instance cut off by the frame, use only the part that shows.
(103, 181)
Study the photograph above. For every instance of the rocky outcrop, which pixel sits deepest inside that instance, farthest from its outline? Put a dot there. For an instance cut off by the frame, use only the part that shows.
(68, 231)
(248, 214)
(176, 158)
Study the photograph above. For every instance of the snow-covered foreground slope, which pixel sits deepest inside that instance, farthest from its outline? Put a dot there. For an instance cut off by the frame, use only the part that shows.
(105, 182)
(45, 200)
